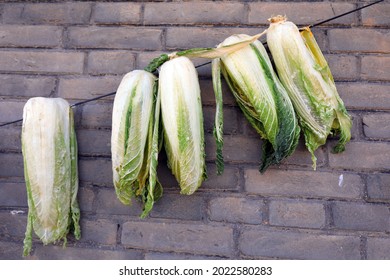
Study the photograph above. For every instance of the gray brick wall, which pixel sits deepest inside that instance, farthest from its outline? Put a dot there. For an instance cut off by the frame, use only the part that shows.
(80, 50)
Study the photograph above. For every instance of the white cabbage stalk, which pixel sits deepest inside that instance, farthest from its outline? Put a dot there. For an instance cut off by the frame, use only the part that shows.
(49, 149)
(132, 129)
(183, 122)
(306, 76)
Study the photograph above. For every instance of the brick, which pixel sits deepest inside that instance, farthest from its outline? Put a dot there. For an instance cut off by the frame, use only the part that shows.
(98, 231)
(94, 142)
(227, 181)
(41, 62)
(181, 207)
(11, 110)
(197, 37)
(236, 210)
(358, 216)
(343, 67)
(11, 165)
(88, 171)
(17, 85)
(87, 87)
(363, 156)
(293, 213)
(112, 13)
(11, 138)
(13, 194)
(303, 183)
(378, 187)
(365, 96)
(13, 223)
(377, 126)
(207, 93)
(85, 198)
(195, 13)
(115, 38)
(302, 156)
(376, 67)
(30, 36)
(249, 149)
(47, 13)
(108, 203)
(145, 57)
(230, 120)
(97, 114)
(377, 15)
(75, 253)
(175, 256)
(296, 245)
(11, 250)
(110, 62)
(299, 12)
(350, 40)
(184, 237)
(378, 248)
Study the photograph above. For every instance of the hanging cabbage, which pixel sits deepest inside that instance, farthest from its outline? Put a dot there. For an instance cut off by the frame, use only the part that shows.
(50, 167)
(134, 139)
(306, 76)
(261, 97)
(183, 122)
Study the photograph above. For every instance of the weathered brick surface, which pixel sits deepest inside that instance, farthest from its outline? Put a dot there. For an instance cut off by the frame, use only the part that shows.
(76, 253)
(195, 13)
(30, 36)
(289, 213)
(115, 13)
(183, 237)
(376, 67)
(47, 13)
(13, 194)
(11, 250)
(358, 216)
(176, 206)
(101, 140)
(11, 138)
(350, 40)
(378, 248)
(81, 49)
(303, 183)
(87, 87)
(11, 165)
(365, 96)
(236, 210)
(13, 223)
(377, 15)
(29, 86)
(295, 245)
(41, 62)
(378, 187)
(301, 13)
(377, 126)
(110, 62)
(98, 231)
(115, 38)
(362, 155)
(107, 203)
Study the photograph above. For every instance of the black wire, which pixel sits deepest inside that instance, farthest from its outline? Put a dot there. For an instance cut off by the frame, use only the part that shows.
(206, 63)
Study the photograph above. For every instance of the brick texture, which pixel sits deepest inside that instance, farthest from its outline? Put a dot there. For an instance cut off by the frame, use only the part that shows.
(295, 245)
(79, 50)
